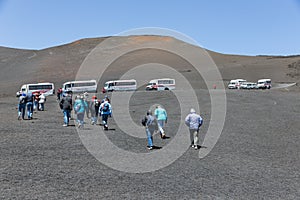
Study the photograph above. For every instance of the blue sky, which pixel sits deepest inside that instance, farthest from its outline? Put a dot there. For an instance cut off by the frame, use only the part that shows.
(256, 27)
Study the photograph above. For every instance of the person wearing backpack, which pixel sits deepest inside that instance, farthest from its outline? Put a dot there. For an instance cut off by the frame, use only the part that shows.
(29, 105)
(194, 122)
(94, 109)
(148, 122)
(79, 107)
(21, 106)
(105, 110)
(66, 106)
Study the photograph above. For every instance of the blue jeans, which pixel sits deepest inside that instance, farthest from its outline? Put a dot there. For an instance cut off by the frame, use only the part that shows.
(42, 106)
(35, 105)
(149, 137)
(94, 119)
(104, 119)
(161, 124)
(29, 106)
(21, 110)
(67, 115)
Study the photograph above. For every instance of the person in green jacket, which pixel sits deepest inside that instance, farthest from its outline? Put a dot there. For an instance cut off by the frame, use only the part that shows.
(162, 118)
(79, 107)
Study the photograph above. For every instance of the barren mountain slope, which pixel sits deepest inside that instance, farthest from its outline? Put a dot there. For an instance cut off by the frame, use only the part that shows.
(59, 64)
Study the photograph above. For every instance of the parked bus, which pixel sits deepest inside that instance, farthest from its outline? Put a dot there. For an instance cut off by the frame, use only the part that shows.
(264, 84)
(161, 84)
(236, 83)
(80, 86)
(119, 85)
(45, 88)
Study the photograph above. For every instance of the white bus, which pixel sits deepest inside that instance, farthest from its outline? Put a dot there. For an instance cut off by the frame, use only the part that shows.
(161, 84)
(45, 88)
(264, 84)
(80, 86)
(236, 83)
(119, 85)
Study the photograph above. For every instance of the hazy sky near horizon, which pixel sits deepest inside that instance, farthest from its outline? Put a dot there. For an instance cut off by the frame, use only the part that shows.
(257, 27)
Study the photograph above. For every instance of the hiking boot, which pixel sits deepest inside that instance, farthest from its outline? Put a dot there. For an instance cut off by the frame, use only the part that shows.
(163, 136)
(105, 127)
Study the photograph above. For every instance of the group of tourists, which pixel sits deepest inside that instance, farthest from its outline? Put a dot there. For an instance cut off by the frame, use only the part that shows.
(151, 123)
(30, 101)
(94, 108)
(83, 106)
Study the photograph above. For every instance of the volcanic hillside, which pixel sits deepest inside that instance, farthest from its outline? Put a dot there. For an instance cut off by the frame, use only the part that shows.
(59, 64)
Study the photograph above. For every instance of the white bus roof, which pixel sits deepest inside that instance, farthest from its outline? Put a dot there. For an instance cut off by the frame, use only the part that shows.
(239, 79)
(162, 79)
(266, 79)
(79, 81)
(38, 83)
(131, 80)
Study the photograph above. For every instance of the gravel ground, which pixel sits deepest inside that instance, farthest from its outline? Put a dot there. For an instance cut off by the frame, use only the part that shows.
(256, 157)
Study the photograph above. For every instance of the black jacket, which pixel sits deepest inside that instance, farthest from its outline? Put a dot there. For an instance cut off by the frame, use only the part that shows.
(66, 103)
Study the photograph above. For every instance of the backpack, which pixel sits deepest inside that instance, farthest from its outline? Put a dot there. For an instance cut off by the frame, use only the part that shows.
(144, 121)
(105, 107)
(22, 99)
(77, 107)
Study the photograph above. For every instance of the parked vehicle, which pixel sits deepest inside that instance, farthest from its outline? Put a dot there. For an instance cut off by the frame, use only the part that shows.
(236, 83)
(161, 84)
(248, 85)
(80, 86)
(264, 84)
(119, 85)
(43, 88)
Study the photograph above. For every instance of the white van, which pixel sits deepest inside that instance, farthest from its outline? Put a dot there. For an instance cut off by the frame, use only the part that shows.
(161, 84)
(236, 83)
(119, 85)
(264, 84)
(43, 88)
(80, 86)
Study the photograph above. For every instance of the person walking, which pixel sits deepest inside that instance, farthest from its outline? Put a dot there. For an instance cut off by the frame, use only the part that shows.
(80, 107)
(29, 105)
(194, 122)
(105, 111)
(162, 118)
(94, 109)
(86, 99)
(148, 122)
(66, 106)
(36, 100)
(42, 102)
(21, 105)
(59, 93)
